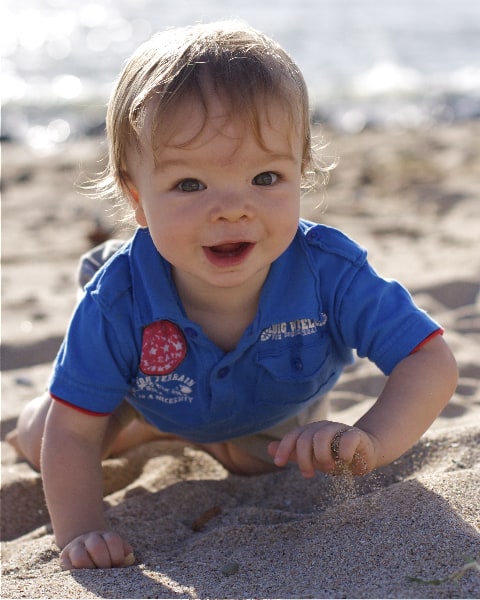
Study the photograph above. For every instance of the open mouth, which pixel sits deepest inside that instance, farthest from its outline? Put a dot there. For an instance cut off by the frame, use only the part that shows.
(228, 254)
(229, 250)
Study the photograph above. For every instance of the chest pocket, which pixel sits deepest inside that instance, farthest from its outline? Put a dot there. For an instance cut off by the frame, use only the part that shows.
(295, 373)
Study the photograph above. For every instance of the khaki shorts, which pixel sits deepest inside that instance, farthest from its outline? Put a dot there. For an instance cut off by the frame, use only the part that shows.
(255, 444)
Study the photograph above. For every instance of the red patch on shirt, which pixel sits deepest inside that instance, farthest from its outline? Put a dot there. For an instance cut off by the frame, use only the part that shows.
(163, 348)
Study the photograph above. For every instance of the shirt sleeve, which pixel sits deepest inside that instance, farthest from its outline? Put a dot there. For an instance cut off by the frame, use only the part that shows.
(379, 318)
(93, 368)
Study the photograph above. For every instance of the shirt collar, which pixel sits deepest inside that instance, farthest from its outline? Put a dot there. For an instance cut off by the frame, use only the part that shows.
(154, 294)
(287, 295)
(291, 289)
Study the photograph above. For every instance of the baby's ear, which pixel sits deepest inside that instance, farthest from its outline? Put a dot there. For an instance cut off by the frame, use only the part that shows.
(134, 197)
(129, 188)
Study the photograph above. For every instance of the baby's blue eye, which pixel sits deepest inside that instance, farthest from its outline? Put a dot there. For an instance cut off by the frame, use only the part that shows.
(190, 185)
(267, 178)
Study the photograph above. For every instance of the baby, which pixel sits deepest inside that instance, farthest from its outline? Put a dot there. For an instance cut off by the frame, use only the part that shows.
(226, 318)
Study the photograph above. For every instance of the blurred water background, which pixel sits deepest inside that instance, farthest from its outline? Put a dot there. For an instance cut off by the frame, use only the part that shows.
(367, 62)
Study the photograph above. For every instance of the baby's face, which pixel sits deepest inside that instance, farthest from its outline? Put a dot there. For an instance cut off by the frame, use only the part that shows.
(220, 206)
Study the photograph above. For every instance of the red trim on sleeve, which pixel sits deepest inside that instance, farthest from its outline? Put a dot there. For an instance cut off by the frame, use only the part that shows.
(79, 409)
(427, 339)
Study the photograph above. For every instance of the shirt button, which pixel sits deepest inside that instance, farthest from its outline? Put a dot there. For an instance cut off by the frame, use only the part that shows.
(312, 235)
(223, 372)
(191, 332)
(297, 364)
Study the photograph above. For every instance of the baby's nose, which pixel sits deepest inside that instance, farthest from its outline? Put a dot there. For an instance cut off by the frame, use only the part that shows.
(232, 206)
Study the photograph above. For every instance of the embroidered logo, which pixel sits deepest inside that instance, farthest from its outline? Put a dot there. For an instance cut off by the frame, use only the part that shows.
(163, 348)
(174, 388)
(289, 329)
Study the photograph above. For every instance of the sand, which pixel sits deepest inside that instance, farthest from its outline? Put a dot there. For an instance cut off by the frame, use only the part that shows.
(410, 530)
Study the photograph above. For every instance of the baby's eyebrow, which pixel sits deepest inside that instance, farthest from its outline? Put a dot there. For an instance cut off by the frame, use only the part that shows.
(161, 164)
(279, 156)
(170, 162)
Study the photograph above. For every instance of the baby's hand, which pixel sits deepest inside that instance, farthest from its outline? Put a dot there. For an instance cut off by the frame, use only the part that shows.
(326, 446)
(97, 550)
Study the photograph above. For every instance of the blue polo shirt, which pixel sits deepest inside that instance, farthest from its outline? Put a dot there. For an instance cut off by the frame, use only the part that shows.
(130, 337)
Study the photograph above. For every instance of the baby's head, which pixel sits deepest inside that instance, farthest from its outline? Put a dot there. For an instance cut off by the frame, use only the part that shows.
(244, 68)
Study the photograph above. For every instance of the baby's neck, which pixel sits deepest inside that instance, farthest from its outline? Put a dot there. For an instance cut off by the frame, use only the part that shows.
(223, 315)
(223, 329)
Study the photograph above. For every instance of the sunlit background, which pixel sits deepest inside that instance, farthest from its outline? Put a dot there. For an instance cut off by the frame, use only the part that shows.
(367, 62)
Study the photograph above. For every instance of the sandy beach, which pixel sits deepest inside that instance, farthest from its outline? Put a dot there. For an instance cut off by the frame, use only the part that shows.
(409, 530)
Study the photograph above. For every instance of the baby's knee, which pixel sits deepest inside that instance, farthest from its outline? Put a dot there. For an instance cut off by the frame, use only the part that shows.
(28, 435)
(238, 461)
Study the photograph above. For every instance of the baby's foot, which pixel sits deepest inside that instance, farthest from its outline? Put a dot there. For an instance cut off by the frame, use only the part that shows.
(12, 439)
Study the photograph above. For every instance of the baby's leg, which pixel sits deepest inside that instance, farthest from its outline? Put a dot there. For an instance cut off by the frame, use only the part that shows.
(124, 431)
(237, 460)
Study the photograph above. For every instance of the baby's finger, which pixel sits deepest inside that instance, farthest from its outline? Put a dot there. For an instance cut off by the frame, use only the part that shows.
(322, 451)
(285, 450)
(351, 448)
(117, 548)
(98, 550)
(65, 562)
(75, 556)
(129, 560)
(304, 453)
(347, 444)
(272, 448)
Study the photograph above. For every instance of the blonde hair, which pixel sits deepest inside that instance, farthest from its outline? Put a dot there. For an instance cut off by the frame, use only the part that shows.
(244, 66)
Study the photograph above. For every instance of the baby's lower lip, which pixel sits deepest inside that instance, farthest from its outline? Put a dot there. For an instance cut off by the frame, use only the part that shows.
(228, 255)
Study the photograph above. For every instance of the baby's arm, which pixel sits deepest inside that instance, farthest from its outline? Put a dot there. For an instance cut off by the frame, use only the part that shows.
(73, 483)
(415, 393)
